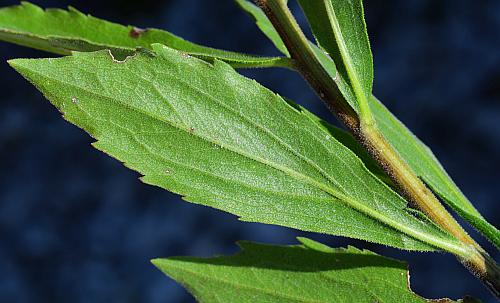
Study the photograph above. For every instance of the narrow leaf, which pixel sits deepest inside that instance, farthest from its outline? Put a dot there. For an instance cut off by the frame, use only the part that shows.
(340, 30)
(427, 167)
(60, 31)
(222, 140)
(264, 24)
(311, 272)
(329, 66)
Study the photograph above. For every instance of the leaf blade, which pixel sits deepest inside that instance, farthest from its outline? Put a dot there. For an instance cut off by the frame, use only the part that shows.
(62, 31)
(311, 272)
(340, 30)
(221, 140)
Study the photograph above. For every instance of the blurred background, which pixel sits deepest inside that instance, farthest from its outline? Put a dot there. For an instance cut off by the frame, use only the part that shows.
(76, 226)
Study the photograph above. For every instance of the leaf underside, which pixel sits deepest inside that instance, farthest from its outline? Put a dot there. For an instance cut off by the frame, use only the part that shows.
(62, 31)
(222, 140)
(311, 272)
(416, 154)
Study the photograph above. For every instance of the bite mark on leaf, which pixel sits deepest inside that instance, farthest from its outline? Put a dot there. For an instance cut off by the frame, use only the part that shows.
(120, 61)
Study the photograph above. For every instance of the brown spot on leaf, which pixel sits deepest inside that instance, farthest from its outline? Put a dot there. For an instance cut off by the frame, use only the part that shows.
(136, 32)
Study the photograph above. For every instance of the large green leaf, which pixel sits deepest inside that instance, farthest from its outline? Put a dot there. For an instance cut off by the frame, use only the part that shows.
(222, 140)
(60, 31)
(311, 272)
(264, 24)
(427, 167)
(339, 28)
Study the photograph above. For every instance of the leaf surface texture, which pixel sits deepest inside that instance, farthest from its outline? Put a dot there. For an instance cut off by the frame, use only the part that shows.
(222, 140)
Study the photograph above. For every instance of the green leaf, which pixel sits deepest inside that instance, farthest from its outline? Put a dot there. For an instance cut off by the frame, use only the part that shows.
(60, 31)
(339, 28)
(329, 66)
(427, 167)
(264, 24)
(346, 139)
(222, 140)
(311, 272)
(419, 157)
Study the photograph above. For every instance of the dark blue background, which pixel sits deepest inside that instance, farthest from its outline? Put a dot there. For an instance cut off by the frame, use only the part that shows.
(76, 226)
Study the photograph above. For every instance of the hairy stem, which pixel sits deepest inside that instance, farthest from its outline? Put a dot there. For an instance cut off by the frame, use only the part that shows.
(367, 133)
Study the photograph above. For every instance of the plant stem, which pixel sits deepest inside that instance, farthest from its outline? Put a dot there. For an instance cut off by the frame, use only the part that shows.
(367, 133)
(408, 183)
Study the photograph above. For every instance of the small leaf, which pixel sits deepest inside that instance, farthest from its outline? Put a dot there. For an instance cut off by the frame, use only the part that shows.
(59, 31)
(311, 272)
(264, 24)
(223, 140)
(427, 167)
(340, 30)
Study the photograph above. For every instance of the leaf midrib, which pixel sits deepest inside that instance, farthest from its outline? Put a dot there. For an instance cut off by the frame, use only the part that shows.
(437, 242)
(236, 181)
(259, 127)
(162, 158)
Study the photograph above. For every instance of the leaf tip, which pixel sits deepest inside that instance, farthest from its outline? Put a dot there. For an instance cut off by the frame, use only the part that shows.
(164, 265)
(157, 262)
(13, 62)
(19, 65)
